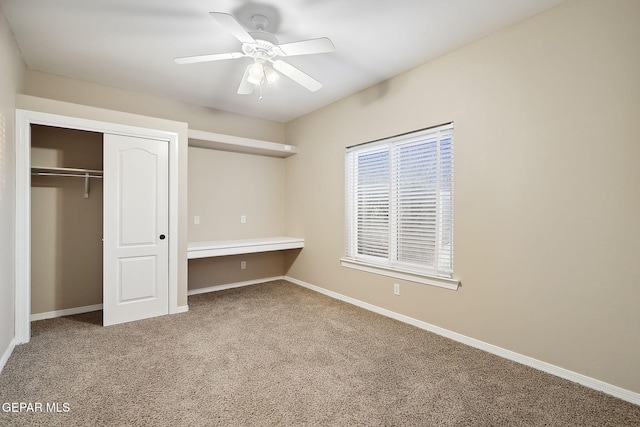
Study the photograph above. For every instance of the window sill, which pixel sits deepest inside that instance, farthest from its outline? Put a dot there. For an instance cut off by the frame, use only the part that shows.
(411, 276)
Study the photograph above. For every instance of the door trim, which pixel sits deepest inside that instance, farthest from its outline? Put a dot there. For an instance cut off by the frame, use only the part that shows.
(24, 120)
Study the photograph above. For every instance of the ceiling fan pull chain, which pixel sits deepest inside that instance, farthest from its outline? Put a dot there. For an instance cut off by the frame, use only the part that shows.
(261, 82)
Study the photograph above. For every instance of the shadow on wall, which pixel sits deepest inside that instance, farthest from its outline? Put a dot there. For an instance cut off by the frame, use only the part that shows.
(230, 269)
(374, 93)
(289, 258)
(3, 142)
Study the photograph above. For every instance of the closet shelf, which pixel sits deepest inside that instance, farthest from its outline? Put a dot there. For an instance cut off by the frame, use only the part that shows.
(243, 246)
(69, 172)
(238, 144)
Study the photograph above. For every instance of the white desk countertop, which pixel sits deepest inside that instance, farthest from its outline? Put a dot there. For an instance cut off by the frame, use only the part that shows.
(242, 246)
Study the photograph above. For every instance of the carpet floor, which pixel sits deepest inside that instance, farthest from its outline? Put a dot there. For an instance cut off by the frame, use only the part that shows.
(278, 354)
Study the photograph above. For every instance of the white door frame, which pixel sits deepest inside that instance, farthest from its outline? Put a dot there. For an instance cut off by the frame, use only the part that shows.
(24, 120)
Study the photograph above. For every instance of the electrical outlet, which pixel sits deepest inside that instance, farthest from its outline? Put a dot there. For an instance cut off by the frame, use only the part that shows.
(196, 219)
(243, 265)
(396, 289)
(243, 219)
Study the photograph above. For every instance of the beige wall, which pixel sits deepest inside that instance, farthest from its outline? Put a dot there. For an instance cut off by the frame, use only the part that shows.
(547, 155)
(223, 186)
(66, 228)
(206, 272)
(11, 82)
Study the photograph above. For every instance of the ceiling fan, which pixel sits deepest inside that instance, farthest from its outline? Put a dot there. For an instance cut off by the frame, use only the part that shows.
(264, 49)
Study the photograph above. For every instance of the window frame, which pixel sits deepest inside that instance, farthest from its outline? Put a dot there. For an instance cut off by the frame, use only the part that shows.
(389, 264)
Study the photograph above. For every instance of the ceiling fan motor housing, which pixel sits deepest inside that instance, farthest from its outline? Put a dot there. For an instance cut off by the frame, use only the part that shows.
(262, 48)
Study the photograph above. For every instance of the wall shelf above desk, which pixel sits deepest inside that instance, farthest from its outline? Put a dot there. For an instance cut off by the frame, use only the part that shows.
(238, 144)
(243, 246)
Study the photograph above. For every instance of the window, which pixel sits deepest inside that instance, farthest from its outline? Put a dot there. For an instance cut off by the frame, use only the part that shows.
(399, 206)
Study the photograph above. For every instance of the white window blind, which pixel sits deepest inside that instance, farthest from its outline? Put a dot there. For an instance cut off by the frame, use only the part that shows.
(399, 202)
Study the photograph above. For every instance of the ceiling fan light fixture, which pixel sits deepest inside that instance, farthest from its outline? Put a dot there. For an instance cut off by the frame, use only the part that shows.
(256, 73)
(270, 74)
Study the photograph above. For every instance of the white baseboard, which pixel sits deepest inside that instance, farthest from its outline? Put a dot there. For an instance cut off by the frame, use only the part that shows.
(231, 285)
(593, 383)
(66, 312)
(181, 309)
(7, 354)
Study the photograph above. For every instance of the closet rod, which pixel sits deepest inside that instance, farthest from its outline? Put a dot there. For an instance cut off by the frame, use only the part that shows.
(66, 174)
(73, 174)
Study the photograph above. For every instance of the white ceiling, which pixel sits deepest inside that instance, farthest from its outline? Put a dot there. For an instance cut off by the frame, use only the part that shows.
(131, 44)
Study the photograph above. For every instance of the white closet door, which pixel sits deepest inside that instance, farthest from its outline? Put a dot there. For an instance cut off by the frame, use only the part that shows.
(136, 222)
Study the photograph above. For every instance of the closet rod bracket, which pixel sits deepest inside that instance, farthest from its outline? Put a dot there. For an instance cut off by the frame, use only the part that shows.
(86, 185)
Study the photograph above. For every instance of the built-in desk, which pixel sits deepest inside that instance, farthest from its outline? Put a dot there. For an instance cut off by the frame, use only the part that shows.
(243, 246)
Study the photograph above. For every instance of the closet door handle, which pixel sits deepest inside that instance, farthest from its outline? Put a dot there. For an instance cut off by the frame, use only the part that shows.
(162, 236)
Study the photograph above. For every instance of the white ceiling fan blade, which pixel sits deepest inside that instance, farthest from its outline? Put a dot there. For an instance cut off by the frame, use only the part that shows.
(233, 26)
(245, 87)
(306, 47)
(297, 76)
(205, 58)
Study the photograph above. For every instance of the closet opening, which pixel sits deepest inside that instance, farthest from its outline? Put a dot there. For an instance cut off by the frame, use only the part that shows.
(66, 222)
(136, 160)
